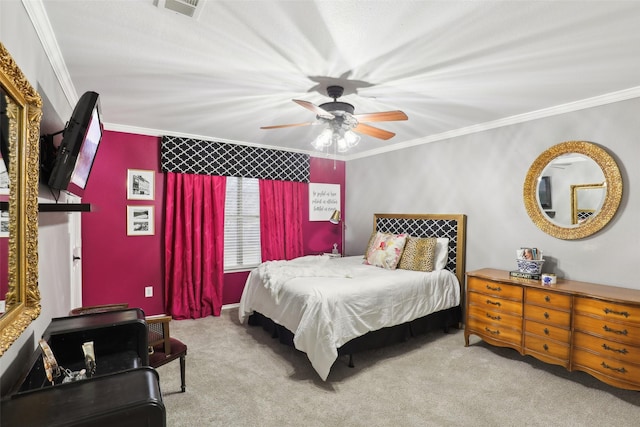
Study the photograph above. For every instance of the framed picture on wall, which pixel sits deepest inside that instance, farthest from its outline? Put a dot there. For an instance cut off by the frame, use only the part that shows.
(140, 184)
(140, 221)
(4, 178)
(4, 223)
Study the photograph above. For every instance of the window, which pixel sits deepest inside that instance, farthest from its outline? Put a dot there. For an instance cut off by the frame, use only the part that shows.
(242, 224)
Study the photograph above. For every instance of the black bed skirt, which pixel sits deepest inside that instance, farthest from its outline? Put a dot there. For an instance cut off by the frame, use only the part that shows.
(442, 320)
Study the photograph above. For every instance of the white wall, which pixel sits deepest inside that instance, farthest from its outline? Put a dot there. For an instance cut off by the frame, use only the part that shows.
(482, 176)
(19, 37)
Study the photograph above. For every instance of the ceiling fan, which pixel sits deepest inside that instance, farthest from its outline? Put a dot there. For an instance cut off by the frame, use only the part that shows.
(341, 120)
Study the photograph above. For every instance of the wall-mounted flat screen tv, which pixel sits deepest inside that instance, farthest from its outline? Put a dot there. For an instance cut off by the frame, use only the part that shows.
(80, 141)
(544, 192)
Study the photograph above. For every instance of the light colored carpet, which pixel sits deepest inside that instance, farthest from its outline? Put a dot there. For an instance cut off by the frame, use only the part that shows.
(238, 376)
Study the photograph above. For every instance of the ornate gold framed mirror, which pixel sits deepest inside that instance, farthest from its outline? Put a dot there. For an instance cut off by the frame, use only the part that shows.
(21, 134)
(567, 166)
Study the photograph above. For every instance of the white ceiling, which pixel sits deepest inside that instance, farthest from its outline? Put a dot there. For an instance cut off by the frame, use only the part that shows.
(453, 67)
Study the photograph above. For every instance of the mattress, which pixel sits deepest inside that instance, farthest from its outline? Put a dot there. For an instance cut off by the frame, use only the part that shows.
(327, 301)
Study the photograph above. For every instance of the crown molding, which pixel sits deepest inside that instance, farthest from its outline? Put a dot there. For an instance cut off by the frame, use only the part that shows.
(38, 15)
(595, 101)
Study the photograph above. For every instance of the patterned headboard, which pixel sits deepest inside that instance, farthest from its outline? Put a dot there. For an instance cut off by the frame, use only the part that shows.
(451, 226)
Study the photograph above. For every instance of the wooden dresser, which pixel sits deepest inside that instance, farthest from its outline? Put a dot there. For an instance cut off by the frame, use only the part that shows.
(578, 325)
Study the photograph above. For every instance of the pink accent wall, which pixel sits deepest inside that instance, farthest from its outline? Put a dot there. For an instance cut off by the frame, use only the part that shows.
(319, 236)
(4, 257)
(117, 267)
(4, 267)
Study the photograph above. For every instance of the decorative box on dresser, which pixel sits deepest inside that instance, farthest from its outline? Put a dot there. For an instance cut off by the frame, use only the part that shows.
(579, 325)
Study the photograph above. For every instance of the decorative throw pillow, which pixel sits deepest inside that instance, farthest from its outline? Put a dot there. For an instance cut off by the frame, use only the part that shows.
(386, 250)
(442, 253)
(419, 254)
(371, 240)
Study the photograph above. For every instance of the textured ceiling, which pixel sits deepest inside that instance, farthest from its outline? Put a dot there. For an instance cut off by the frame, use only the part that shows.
(452, 66)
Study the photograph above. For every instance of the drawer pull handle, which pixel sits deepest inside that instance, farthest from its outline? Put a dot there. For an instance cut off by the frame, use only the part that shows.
(546, 298)
(621, 370)
(494, 302)
(615, 331)
(497, 288)
(546, 347)
(546, 331)
(496, 332)
(546, 315)
(615, 350)
(619, 313)
(494, 317)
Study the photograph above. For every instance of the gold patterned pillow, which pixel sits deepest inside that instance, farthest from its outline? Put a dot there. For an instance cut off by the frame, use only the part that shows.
(419, 254)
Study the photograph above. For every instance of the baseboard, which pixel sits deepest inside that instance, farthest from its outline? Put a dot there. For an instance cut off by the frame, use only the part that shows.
(230, 306)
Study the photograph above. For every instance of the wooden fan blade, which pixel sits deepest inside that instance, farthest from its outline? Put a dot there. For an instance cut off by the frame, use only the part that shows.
(314, 109)
(287, 126)
(374, 132)
(385, 116)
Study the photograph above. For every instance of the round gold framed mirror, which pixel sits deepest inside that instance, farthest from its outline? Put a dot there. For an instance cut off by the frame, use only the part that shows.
(555, 172)
(21, 133)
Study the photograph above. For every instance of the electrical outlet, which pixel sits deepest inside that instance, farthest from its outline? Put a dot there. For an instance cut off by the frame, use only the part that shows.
(2, 306)
(148, 291)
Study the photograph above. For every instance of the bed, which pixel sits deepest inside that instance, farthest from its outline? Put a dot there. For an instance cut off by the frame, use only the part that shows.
(326, 306)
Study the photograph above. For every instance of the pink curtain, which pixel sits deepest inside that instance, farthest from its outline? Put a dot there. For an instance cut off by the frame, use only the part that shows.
(194, 245)
(281, 219)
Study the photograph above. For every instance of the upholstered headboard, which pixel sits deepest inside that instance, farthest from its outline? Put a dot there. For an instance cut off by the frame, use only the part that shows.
(451, 226)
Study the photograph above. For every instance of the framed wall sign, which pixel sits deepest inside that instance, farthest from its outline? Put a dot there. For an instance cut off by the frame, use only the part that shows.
(140, 184)
(140, 221)
(323, 200)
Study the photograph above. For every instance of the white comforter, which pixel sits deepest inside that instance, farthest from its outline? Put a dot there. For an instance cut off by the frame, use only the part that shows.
(327, 302)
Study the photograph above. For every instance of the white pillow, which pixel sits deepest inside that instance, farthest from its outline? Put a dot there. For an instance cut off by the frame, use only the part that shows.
(442, 253)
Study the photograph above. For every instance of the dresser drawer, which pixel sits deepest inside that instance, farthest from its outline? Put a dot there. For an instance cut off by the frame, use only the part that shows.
(494, 288)
(572, 324)
(607, 348)
(492, 303)
(547, 315)
(546, 346)
(498, 332)
(545, 298)
(551, 332)
(495, 317)
(606, 329)
(608, 310)
(622, 370)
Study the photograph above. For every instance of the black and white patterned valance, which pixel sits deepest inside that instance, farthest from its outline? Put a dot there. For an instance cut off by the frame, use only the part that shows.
(187, 155)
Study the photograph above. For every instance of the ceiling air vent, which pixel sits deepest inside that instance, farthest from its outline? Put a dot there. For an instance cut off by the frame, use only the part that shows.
(190, 8)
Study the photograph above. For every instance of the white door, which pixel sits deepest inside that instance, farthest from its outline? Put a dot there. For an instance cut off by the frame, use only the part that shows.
(75, 242)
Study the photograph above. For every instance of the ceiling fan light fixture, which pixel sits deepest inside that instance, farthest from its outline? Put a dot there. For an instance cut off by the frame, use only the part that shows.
(341, 139)
(347, 141)
(351, 138)
(341, 122)
(323, 140)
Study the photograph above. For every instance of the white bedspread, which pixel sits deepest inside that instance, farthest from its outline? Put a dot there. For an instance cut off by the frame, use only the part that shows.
(333, 300)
